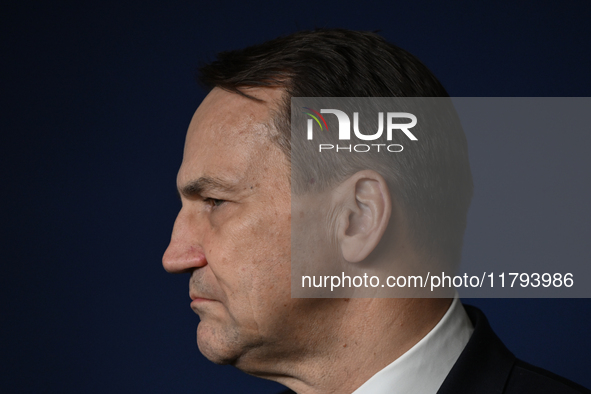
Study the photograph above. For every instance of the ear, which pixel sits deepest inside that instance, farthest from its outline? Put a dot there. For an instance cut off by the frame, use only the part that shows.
(366, 209)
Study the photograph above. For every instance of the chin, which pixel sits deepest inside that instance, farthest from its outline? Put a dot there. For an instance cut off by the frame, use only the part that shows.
(217, 345)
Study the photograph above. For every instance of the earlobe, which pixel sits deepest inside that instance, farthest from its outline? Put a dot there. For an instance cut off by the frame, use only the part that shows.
(367, 207)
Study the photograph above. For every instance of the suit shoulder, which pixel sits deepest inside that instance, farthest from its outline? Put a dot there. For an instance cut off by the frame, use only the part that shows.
(526, 378)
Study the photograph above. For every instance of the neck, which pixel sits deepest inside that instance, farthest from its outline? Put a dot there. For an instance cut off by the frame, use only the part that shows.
(360, 337)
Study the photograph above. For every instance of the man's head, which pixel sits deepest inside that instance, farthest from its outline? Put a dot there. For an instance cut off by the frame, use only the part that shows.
(233, 231)
(432, 182)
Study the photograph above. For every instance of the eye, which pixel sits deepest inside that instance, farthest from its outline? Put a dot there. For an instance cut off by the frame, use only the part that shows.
(214, 202)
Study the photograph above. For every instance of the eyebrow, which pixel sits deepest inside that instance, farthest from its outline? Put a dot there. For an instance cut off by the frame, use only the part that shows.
(205, 184)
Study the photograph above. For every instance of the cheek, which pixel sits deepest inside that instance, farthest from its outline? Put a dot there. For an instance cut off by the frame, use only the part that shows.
(250, 252)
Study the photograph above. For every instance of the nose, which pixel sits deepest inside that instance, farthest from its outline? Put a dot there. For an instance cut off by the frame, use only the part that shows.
(184, 253)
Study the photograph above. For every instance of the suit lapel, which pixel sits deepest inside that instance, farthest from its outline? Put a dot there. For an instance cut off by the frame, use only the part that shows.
(485, 364)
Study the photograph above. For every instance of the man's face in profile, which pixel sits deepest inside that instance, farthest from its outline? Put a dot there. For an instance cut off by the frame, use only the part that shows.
(233, 231)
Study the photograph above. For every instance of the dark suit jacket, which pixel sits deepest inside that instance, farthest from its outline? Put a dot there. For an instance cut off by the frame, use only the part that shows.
(486, 366)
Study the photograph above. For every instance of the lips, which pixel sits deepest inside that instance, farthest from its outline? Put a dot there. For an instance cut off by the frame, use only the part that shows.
(199, 297)
(199, 300)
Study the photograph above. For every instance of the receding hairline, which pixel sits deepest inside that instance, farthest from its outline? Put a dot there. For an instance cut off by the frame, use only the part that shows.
(278, 123)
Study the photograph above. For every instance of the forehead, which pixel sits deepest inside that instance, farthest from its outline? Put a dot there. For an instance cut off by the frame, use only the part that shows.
(230, 135)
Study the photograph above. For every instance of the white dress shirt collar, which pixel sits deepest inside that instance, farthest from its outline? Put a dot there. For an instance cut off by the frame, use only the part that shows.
(423, 368)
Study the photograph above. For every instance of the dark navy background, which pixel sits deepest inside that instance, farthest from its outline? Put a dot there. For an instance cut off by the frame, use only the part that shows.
(96, 98)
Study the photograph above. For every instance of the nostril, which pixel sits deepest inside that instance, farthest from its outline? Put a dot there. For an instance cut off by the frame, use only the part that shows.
(200, 260)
